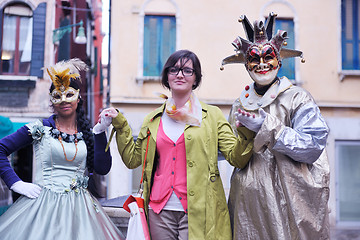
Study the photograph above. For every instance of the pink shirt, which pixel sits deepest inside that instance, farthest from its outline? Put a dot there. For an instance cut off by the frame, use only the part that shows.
(170, 174)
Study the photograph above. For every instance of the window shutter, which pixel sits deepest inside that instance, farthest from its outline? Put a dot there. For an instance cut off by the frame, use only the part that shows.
(38, 41)
(167, 45)
(151, 43)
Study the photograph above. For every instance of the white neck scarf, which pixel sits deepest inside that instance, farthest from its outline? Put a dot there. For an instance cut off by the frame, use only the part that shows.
(190, 113)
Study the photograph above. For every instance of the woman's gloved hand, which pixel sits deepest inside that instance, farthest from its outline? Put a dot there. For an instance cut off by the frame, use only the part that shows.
(30, 190)
(103, 123)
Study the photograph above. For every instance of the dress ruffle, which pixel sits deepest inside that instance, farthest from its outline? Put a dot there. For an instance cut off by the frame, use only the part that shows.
(71, 215)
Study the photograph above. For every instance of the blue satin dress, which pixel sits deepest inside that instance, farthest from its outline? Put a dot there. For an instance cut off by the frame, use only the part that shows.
(65, 209)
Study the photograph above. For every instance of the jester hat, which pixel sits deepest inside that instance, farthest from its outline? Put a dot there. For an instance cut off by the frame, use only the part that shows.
(260, 34)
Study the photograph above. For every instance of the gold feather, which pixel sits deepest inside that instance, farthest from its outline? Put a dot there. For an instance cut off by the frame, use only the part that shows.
(62, 72)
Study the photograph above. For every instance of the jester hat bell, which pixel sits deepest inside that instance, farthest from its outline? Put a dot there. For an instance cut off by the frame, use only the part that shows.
(260, 34)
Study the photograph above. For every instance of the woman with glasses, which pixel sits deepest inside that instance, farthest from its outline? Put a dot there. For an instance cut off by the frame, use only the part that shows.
(183, 192)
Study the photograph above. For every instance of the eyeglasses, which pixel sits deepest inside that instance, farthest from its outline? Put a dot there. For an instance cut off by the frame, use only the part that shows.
(187, 72)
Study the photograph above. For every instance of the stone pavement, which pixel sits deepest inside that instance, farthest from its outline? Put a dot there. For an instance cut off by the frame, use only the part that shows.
(120, 217)
(345, 234)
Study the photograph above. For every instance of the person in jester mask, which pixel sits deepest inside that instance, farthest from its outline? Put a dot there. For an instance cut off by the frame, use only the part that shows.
(283, 192)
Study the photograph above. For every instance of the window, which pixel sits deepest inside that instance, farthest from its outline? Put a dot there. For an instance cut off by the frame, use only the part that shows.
(22, 39)
(348, 182)
(22, 47)
(288, 65)
(17, 32)
(159, 42)
(350, 34)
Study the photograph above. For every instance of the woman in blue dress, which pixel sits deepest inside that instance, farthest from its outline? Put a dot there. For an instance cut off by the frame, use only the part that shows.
(57, 205)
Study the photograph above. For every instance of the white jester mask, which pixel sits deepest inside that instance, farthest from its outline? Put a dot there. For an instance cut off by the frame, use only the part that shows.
(262, 64)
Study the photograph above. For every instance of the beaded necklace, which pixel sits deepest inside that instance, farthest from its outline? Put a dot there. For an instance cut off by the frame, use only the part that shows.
(62, 145)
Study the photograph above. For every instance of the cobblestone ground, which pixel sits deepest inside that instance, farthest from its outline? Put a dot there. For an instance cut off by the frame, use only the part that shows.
(345, 234)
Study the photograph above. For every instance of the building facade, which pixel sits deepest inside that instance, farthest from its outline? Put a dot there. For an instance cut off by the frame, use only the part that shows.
(145, 32)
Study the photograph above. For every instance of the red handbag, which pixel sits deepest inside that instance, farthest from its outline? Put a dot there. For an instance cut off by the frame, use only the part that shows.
(138, 227)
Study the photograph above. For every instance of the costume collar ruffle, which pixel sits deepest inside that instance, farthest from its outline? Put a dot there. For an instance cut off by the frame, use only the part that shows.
(251, 101)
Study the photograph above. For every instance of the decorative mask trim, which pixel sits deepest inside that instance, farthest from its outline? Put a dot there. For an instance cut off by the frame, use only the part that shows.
(259, 34)
(61, 75)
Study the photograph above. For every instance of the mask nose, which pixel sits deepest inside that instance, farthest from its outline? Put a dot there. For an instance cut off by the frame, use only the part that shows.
(63, 98)
(262, 65)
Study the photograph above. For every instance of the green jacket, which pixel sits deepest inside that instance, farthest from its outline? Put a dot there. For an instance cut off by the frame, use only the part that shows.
(208, 216)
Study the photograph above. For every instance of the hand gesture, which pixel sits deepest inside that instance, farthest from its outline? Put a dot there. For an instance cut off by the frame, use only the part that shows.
(105, 119)
(249, 120)
(30, 190)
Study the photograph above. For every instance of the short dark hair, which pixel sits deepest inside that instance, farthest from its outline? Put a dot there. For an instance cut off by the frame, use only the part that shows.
(174, 58)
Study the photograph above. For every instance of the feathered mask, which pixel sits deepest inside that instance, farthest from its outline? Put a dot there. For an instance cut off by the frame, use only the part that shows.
(61, 74)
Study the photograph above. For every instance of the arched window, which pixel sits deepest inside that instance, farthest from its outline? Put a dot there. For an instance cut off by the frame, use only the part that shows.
(17, 38)
(158, 37)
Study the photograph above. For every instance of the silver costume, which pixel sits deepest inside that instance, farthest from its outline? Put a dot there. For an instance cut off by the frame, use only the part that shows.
(283, 192)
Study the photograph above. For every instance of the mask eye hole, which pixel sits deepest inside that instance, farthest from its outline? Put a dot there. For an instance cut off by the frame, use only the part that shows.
(255, 60)
(69, 95)
(56, 96)
(268, 58)
(269, 53)
(254, 56)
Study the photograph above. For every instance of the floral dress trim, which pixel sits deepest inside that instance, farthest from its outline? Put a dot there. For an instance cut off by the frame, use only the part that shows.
(37, 130)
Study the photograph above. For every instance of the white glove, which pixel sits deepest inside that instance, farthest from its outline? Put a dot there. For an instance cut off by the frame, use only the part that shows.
(103, 123)
(251, 122)
(30, 190)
